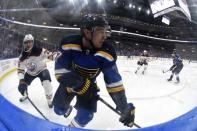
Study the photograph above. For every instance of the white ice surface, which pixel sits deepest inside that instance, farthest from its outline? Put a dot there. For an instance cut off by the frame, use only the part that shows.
(155, 99)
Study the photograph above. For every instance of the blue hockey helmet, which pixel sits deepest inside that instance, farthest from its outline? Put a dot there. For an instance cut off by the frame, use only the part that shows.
(90, 21)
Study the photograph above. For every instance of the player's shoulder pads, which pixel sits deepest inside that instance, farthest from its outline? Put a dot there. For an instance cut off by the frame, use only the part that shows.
(107, 51)
(71, 42)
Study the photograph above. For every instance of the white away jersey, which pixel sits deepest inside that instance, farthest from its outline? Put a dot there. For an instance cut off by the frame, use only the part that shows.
(35, 62)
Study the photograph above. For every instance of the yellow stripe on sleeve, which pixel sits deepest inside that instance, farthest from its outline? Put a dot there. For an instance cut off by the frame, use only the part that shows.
(57, 76)
(115, 89)
(105, 55)
(71, 46)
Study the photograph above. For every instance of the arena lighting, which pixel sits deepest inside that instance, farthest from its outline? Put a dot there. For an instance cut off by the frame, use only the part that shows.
(139, 8)
(45, 39)
(28, 21)
(86, 2)
(71, 1)
(183, 50)
(130, 5)
(44, 23)
(99, 1)
(113, 31)
(147, 11)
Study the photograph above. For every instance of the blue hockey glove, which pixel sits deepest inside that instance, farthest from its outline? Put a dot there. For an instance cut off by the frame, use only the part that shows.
(128, 116)
(172, 67)
(22, 88)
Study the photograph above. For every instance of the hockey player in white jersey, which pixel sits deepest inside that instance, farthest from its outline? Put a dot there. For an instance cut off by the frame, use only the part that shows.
(32, 64)
(143, 61)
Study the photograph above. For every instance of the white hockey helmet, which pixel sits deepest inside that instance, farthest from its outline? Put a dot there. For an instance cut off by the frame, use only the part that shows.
(28, 38)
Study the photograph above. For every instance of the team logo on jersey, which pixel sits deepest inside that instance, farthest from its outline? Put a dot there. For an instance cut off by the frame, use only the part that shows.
(31, 66)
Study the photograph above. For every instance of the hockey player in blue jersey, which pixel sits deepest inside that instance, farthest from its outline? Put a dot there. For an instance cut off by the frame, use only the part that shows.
(176, 67)
(83, 58)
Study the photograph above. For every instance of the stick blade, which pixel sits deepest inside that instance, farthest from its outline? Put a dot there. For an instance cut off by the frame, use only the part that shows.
(23, 98)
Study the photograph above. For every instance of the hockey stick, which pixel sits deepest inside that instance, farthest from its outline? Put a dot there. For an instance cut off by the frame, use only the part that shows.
(112, 108)
(165, 71)
(23, 98)
(37, 108)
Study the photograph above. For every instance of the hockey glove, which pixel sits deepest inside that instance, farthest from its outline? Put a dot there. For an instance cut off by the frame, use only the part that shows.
(171, 68)
(75, 83)
(22, 88)
(128, 116)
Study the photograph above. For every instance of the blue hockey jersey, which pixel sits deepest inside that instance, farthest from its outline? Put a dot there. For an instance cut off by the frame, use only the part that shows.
(89, 63)
(177, 60)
